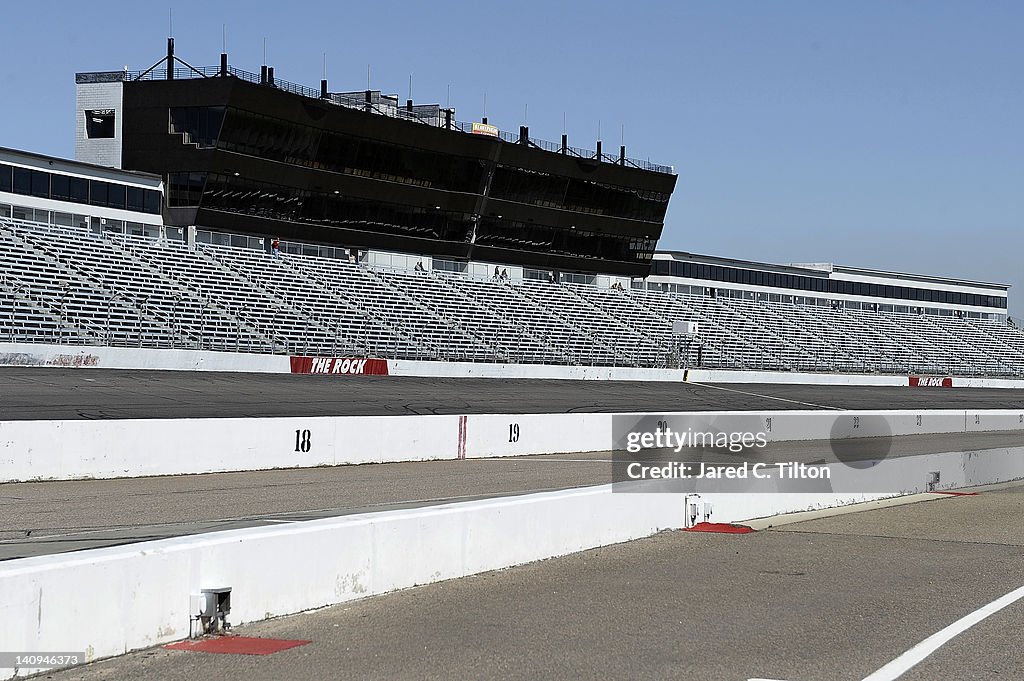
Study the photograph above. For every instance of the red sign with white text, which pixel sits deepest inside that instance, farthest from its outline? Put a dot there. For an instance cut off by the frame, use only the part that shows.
(346, 366)
(931, 382)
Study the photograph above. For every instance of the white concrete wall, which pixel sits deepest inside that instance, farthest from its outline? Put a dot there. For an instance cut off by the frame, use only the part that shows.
(66, 450)
(109, 601)
(787, 377)
(960, 382)
(82, 449)
(98, 357)
(402, 367)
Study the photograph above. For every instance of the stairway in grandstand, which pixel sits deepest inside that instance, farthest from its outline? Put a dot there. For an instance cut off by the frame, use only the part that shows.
(68, 285)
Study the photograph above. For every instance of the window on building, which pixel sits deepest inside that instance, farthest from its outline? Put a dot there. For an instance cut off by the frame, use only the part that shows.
(99, 124)
(97, 193)
(5, 178)
(22, 181)
(186, 189)
(116, 195)
(60, 187)
(41, 184)
(152, 202)
(135, 200)
(199, 125)
(79, 189)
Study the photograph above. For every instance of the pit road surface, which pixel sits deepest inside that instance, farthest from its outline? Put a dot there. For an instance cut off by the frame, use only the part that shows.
(60, 516)
(833, 598)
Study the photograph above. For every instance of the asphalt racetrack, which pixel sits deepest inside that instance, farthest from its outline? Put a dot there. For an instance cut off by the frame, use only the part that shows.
(51, 393)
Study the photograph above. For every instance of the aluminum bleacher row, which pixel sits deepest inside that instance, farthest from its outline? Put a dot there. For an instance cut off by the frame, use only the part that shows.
(60, 284)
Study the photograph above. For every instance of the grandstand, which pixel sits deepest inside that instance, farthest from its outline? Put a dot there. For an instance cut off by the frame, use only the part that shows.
(72, 285)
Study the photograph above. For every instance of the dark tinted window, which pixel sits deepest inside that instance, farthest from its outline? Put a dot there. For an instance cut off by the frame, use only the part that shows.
(41, 184)
(186, 189)
(22, 181)
(152, 202)
(115, 195)
(200, 125)
(79, 189)
(5, 178)
(97, 193)
(60, 187)
(135, 199)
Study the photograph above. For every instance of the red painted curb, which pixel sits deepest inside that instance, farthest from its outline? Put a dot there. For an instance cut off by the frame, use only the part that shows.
(237, 645)
(721, 528)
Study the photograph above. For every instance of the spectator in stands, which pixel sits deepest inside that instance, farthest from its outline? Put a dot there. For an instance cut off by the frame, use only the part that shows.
(497, 273)
(419, 266)
(275, 246)
(504, 274)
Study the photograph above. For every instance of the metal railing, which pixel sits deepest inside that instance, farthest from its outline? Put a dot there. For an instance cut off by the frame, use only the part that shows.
(186, 73)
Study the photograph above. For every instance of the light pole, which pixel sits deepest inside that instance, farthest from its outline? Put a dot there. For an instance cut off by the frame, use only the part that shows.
(14, 303)
(175, 326)
(142, 311)
(65, 290)
(202, 321)
(106, 329)
(273, 330)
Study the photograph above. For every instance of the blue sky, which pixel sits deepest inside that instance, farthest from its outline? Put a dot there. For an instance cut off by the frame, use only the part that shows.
(868, 133)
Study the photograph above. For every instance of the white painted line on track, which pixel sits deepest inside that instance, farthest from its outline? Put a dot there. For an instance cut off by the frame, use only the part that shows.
(766, 397)
(907, 660)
